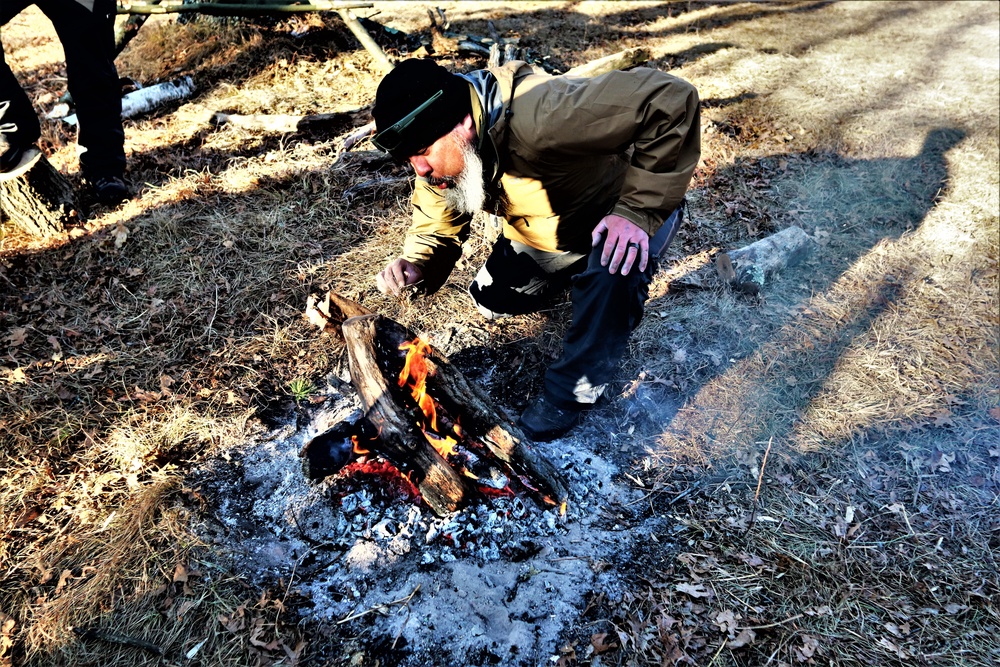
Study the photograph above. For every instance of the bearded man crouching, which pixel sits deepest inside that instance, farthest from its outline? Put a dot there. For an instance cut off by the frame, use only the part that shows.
(589, 177)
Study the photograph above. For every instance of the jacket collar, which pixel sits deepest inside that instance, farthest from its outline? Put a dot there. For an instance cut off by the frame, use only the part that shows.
(487, 110)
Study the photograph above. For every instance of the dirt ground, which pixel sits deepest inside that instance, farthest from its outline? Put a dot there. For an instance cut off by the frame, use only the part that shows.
(806, 477)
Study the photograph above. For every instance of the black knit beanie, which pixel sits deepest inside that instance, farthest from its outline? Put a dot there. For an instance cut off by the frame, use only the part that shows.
(410, 84)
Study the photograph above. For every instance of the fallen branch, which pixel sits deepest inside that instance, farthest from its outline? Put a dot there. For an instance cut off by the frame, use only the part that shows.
(621, 60)
(112, 637)
(356, 137)
(285, 123)
(146, 99)
(383, 185)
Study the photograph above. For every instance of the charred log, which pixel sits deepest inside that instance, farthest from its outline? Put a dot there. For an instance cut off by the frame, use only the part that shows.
(372, 353)
(487, 451)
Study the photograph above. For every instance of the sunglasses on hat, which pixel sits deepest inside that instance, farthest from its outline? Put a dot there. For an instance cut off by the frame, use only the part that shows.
(391, 138)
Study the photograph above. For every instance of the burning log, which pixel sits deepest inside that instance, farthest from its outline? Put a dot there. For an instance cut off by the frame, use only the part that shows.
(399, 437)
(433, 424)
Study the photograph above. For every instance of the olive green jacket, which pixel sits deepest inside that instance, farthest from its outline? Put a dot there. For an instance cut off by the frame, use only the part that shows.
(561, 154)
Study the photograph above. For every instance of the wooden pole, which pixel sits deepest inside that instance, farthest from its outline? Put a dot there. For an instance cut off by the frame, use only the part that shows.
(234, 9)
(366, 40)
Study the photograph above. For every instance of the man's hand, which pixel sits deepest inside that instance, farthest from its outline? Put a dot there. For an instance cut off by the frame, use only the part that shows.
(625, 243)
(396, 275)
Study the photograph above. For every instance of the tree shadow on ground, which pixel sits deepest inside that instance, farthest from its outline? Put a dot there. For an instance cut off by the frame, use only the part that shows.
(566, 33)
(850, 207)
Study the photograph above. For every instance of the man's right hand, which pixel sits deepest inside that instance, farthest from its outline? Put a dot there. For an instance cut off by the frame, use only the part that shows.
(398, 274)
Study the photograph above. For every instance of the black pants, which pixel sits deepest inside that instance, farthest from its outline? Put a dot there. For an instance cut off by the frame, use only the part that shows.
(518, 279)
(88, 40)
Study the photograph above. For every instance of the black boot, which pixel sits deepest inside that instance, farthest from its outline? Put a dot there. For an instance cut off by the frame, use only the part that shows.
(543, 420)
(110, 190)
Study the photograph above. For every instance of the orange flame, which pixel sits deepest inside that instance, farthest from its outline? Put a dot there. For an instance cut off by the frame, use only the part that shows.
(453, 444)
(415, 374)
(356, 446)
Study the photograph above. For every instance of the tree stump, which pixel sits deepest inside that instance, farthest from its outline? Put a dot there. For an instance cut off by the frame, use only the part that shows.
(37, 198)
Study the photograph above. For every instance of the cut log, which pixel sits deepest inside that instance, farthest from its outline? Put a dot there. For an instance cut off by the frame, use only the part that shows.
(37, 198)
(748, 269)
(491, 446)
(751, 267)
(330, 313)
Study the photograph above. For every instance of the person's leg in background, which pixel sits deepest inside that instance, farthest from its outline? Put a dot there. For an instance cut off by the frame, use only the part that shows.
(89, 43)
(19, 127)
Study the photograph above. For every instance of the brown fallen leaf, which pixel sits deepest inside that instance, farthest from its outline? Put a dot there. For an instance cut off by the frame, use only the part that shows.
(744, 638)
(63, 580)
(726, 620)
(601, 644)
(7, 625)
(120, 234)
(808, 649)
(694, 590)
(17, 336)
(753, 560)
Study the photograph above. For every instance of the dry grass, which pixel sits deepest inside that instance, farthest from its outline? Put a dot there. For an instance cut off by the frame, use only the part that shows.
(157, 334)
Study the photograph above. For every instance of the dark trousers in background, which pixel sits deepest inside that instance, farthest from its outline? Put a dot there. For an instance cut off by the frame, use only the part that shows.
(518, 279)
(89, 43)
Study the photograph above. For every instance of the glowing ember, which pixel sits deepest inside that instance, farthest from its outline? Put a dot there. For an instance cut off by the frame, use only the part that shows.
(358, 449)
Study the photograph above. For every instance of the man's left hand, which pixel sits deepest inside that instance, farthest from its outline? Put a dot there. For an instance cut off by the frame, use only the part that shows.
(625, 243)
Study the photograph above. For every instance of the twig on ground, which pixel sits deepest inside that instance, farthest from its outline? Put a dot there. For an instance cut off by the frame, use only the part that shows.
(112, 637)
(380, 607)
(773, 625)
(760, 478)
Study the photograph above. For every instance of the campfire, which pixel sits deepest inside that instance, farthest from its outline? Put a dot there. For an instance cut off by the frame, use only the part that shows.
(421, 414)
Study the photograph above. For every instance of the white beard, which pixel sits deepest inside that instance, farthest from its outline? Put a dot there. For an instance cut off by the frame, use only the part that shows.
(468, 194)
